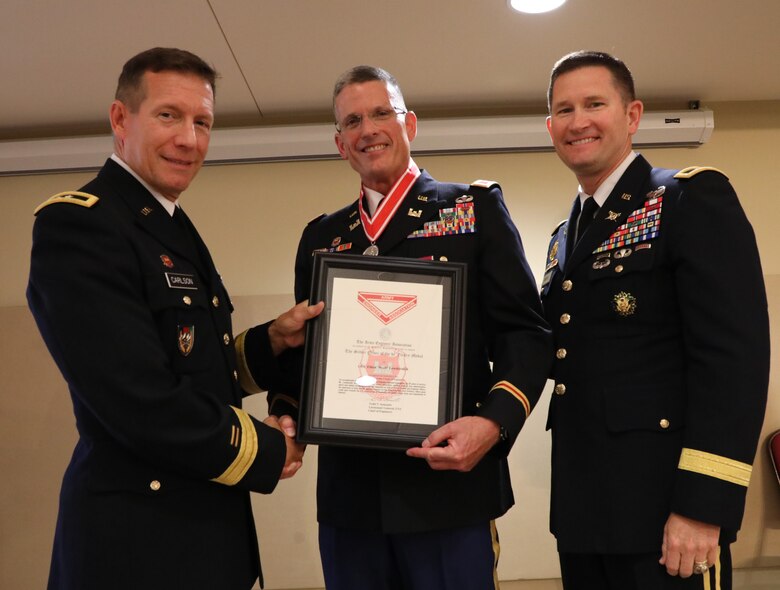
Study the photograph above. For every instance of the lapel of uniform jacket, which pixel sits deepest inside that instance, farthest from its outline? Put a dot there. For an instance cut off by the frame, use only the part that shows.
(565, 245)
(150, 215)
(556, 252)
(352, 232)
(419, 205)
(203, 261)
(622, 200)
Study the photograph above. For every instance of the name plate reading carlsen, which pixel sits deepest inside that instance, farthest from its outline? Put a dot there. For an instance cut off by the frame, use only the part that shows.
(383, 362)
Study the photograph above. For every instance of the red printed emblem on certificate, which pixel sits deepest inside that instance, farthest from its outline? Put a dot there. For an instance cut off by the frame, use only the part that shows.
(386, 307)
(382, 373)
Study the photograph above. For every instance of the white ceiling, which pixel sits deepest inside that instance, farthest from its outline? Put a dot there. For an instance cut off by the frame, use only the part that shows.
(278, 59)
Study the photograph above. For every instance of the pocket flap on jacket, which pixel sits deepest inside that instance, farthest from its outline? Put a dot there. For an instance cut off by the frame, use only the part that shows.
(644, 407)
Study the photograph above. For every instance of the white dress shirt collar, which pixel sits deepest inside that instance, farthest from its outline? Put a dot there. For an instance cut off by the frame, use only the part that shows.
(606, 187)
(167, 204)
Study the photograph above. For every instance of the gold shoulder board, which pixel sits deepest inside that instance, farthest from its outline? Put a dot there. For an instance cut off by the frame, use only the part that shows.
(557, 227)
(72, 197)
(692, 171)
(484, 183)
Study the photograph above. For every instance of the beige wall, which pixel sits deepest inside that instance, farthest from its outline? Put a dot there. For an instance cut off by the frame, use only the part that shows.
(251, 216)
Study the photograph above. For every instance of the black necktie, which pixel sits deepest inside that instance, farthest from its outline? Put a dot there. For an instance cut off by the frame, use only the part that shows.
(188, 233)
(178, 217)
(586, 217)
(181, 225)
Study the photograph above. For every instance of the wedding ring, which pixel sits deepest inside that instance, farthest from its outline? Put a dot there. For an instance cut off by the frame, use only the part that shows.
(700, 567)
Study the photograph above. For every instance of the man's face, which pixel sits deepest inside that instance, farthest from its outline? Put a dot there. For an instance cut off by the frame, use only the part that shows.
(166, 140)
(378, 150)
(590, 125)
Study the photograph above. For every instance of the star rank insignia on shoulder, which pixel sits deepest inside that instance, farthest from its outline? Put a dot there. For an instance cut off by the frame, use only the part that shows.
(70, 197)
(692, 171)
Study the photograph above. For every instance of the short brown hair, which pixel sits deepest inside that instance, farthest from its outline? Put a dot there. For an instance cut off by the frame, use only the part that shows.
(621, 75)
(130, 89)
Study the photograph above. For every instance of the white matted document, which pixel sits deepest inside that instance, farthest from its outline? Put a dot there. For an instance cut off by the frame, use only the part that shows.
(383, 360)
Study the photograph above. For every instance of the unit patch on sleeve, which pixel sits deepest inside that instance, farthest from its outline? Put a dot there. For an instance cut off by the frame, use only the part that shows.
(459, 219)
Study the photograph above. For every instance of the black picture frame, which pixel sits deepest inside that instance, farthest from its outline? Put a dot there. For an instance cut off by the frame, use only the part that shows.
(313, 426)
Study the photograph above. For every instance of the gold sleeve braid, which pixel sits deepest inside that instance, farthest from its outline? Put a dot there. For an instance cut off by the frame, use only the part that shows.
(519, 395)
(715, 466)
(247, 451)
(245, 379)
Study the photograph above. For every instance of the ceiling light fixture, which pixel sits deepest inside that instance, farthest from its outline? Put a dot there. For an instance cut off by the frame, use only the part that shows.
(535, 6)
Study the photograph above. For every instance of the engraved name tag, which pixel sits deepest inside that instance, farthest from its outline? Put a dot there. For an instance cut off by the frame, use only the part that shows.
(180, 281)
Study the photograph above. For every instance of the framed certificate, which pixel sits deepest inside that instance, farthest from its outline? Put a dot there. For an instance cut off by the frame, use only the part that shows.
(383, 362)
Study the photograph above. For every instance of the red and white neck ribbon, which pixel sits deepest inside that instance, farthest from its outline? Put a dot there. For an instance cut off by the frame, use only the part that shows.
(374, 226)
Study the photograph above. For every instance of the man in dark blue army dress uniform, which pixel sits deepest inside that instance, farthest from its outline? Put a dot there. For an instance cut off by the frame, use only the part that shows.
(424, 519)
(136, 317)
(657, 303)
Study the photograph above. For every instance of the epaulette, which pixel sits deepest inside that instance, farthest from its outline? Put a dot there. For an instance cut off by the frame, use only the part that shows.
(72, 197)
(692, 171)
(557, 227)
(484, 183)
(316, 219)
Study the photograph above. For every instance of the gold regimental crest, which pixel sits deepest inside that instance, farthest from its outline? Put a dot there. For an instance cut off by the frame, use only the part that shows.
(554, 251)
(624, 304)
(186, 339)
